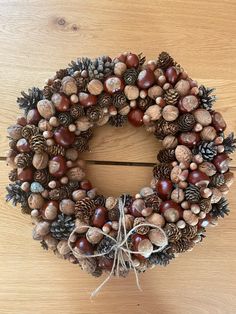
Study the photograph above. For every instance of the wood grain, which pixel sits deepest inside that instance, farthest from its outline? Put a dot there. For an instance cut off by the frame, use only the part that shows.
(37, 38)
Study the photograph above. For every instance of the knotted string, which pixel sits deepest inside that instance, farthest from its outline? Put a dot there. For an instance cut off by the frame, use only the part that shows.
(120, 248)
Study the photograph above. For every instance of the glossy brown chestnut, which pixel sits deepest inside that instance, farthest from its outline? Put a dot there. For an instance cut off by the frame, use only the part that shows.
(23, 146)
(100, 217)
(221, 162)
(84, 246)
(57, 166)
(85, 185)
(132, 60)
(33, 116)
(188, 103)
(189, 139)
(199, 178)
(61, 102)
(105, 263)
(87, 100)
(164, 188)
(135, 117)
(171, 75)
(171, 210)
(25, 174)
(136, 239)
(64, 137)
(146, 79)
(49, 210)
(218, 122)
(114, 84)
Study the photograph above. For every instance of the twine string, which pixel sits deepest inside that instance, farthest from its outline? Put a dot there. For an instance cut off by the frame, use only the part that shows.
(120, 247)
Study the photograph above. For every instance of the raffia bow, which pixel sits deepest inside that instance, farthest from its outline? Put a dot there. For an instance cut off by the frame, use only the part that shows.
(120, 248)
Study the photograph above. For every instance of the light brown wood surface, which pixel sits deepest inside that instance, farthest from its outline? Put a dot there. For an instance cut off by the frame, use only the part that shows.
(37, 38)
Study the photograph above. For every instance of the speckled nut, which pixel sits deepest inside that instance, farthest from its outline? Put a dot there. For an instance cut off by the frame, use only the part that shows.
(67, 207)
(63, 247)
(170, 141)
(155, 91)
(154, 112)
(95, 87)
(131, 92)
(156, 219)
(35, 200)
(120, 68)
(46, 108)
(157, 237)
(111, 202)
(190, 218)
(183, 154)
(170, 113)
(145, 248)
(94, 235)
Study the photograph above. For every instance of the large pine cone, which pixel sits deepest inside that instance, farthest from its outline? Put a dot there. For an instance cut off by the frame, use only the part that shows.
(164, 60)
(208, 150)
(166, 155)
(186, 122)
(189, 232)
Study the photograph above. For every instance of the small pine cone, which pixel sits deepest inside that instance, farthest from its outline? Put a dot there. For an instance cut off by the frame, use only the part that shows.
(144, 103)
(104, 246)
(130, 76)
(189, 232)
(12, 144)
(117, 120)
(13, 175)
(38, 143)
(166, 155)
(153, 201)
(60, 74)
(119, 100)
(208, 150)
(42, 176)
(55, 150)
(73, 185)
(94, 113)
(114, 214)
(192, 194)
(97, 273)
(205, 205)
(171, 96)
(24, 160)
(217, 180)
(141, 229)
(182, 245)
(173, 232)
(77, 111)
(162, 171)
(99, 200)
(164, 128)
(186, 122)
(84, 209)
(104, 100)
(47, 92)
(56, 86)
(58, 194)
(81, 144)
(87, 134)
(29, 130)
(65, 118)
(164, 60)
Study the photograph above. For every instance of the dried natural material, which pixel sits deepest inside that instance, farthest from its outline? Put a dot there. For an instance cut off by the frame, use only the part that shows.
(62, 227)
(206, 98)
(162, 171)
(166, 155)
(81, 144)
(119, 100)
(24, 160)
(220, 209)
(229, 144)
(117, 120)
(208, 150)
(164, 128)
(164, 60)
(65, 118)
(192, 194)
(29, 101)
(162, 258)
(171, 96)
(130, 76)
(94, 113)
(84, 209)
(173, 232)
(186, 122)
(77, 111)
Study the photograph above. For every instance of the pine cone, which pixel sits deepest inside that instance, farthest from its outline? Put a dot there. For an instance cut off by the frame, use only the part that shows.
(162, 171)
(144, 103)
(114, 214)
(130, 76)
(206, 99)
(24, 160)
(162, 258)
(29, 101)
(166, 155)
(100, 68)
(205, 205)
(42, 176)
(16, 195)
(12, 144)
(13, 175)
(189, 232)
(99, 200)
(38, 143)
(55, 150)
(220, 209)
(77, 111)
(117, 120)
(65, 118)
(104, 100)
(60, 74)
(87, 134)
(229, 144)
(153, 201)
(72, 186)
(164, 128)
(119, 100)
(84, 209)
(142, 229)
(182, 245)
(217, 180)
(208, 150)
(29, 130)
(164, 61)
(47, 92)
(105, 246)
(186, 122)
(81, 144)
(81, 82)
(59, 194)
(171, 96)
(56, 86)
(62, 227)
(173, 232)
(192, 194)
(94, 113)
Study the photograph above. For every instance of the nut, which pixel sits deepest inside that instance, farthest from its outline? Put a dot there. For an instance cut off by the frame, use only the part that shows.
(75, 174)
(170, 141)
(95, 87)
(183, 154)
(190, 218)
(94, 235)
(69, 86)
(154, 112)
(46, 108)
(40, 160)
(131, 92)
(203, 117)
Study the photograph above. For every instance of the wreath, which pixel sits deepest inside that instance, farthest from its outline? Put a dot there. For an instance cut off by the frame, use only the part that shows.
(131, 232)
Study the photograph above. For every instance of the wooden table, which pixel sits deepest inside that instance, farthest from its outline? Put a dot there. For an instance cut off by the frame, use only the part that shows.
(39, 37)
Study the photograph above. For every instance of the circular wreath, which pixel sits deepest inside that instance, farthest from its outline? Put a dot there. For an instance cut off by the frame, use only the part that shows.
(189, 184)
